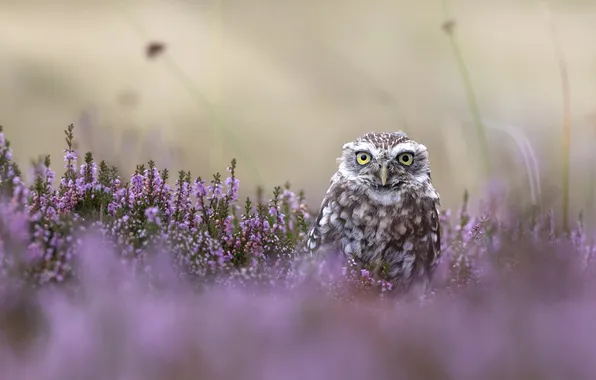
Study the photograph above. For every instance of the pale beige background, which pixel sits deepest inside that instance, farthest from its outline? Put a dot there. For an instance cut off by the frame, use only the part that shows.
(293, 80)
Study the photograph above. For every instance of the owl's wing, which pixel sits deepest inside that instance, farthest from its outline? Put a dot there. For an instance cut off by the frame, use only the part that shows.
(324, 227)
(314, 238)
(435, 239)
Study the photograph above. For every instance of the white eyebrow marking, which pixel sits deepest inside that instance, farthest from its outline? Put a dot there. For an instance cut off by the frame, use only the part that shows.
(407, 147)
(366, 146)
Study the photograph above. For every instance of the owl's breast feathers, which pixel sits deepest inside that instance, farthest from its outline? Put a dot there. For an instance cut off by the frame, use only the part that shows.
(401, 241)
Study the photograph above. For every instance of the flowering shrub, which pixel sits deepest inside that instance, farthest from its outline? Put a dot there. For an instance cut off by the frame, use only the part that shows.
(210, 236)
(508, 294)
(208, 231)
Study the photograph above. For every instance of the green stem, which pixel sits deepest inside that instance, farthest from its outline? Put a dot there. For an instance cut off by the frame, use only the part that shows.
(566, 122)
(470, 95)
(217, 121)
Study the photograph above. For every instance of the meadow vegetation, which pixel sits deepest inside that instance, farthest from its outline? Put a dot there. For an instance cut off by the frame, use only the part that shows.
(157, 275)
(105, 275)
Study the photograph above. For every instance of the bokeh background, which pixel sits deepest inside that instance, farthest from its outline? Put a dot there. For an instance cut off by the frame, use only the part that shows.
(281, 85)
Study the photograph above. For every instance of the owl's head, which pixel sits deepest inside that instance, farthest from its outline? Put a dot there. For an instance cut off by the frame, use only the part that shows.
(385, 161)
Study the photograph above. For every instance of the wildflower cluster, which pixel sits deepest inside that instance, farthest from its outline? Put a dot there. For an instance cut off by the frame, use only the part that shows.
(209, 234)
(201, 222)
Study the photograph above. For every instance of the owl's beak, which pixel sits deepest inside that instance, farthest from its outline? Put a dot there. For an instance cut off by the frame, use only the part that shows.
(383, 174)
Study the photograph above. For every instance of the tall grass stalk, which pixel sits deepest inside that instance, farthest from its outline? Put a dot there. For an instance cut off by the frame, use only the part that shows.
(591, 180)
(219, 127)
(566, 135)
(529, 158)
(216, 54)
(592, 172)
(449, 27)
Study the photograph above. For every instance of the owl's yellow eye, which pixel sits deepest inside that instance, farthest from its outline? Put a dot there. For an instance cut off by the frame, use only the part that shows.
(406, 159)
(362, 158)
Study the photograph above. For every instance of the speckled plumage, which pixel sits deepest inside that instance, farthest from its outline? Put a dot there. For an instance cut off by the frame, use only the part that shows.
(391, 229)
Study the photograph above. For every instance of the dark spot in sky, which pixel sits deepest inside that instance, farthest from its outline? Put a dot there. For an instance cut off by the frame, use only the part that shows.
(448, 26)
(154, 49)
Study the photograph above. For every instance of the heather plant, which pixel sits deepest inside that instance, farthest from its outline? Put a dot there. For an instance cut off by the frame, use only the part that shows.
(145, 277)
(531, 320)
(208, 231)
(210, 236)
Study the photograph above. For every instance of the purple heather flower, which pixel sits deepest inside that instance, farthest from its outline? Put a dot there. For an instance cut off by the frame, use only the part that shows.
(233, 184)
(151, 214)
(199, 188)
(216, 190)
(70, 156)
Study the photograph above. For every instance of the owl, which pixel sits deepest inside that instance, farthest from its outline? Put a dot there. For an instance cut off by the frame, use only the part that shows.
(381, 210)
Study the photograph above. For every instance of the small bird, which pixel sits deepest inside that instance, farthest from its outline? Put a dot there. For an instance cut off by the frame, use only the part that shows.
(382, 211)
